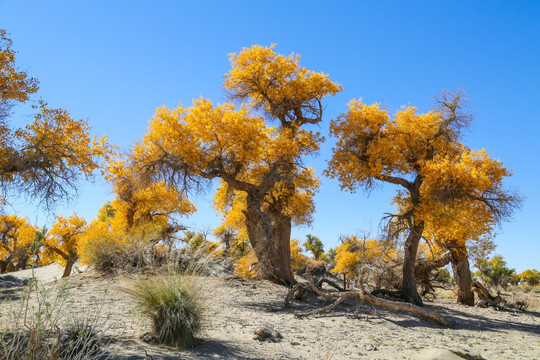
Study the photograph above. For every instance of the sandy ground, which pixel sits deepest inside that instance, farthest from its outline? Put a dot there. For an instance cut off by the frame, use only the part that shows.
(239, 308)
(42, 274)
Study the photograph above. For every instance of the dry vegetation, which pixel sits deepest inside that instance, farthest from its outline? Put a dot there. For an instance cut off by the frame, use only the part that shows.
(240, 310)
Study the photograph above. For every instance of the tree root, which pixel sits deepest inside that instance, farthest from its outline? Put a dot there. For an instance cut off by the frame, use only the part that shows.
(361, 295)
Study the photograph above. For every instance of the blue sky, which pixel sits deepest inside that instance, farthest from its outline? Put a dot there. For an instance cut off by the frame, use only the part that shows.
(115, 62)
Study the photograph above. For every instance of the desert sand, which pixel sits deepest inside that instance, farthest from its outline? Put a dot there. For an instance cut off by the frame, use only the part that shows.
(238, 309)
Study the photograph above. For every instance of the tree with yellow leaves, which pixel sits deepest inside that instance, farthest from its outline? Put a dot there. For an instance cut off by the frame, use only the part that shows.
(262, 180)
(144, 206)
(16, 238)
(367, 260)
(63, 243)
(45, 158)
(421, 154)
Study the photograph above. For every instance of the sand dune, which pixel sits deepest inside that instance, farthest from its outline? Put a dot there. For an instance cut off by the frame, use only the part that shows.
(239, 308)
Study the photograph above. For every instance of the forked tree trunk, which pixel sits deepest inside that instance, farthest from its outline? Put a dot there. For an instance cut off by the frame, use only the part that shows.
(270, 238)
(409, 292)
(462, 275)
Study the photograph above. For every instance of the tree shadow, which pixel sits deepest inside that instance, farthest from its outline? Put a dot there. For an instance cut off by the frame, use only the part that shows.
(459, 320)
(11, 287)
(130, 349)
(9, 281)
(462, 320)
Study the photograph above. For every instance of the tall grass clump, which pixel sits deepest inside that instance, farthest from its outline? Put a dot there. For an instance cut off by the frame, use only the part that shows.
(175, 305)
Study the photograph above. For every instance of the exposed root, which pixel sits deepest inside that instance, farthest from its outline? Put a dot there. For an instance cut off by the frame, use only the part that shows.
(361, 295)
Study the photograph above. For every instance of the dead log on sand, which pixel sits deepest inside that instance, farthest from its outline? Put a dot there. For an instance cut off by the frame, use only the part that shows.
(362, 296)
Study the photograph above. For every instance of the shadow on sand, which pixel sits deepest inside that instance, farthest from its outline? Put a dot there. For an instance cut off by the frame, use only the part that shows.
(130, 349)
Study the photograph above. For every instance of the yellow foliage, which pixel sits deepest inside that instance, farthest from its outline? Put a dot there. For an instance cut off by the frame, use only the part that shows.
(245, 266)
(142, 205)
(347, 257)
(297, 258)
(64, 240)
(259, 165)
(456, 193)
(45, 158)
(16, 85)
(355, 251)
(259, 74)
(16, 236)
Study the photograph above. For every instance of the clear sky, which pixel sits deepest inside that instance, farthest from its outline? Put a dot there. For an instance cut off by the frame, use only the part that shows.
(115, 62)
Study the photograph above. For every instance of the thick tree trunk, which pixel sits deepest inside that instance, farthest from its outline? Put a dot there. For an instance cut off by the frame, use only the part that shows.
(270, 238)
(3, 266)
(71, 260)
(409, 292)
(462, 275)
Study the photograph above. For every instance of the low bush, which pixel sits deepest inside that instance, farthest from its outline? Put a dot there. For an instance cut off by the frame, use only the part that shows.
(175, 305)
(130, 254)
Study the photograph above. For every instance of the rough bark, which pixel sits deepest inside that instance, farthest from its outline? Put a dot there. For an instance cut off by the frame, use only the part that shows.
(71, 260)
(270, 238)
(462, 275)
(409, 292)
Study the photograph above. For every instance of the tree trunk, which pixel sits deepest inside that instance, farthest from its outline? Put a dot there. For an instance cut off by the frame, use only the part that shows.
(22, 263)
(270, 238)
(409, 292)
(71, 260)
(462, 275)
(3, 266)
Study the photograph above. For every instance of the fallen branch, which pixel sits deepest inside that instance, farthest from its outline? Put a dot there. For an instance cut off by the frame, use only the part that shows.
(485, 298)
(297, 291)
(361, 295)
(331, 283)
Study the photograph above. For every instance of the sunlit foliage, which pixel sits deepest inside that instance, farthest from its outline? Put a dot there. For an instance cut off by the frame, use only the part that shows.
(441, 181)
(45, 158)
(236, 243)
(264, 185)
(531, 277)
(246, 266)
(143, 206)
(367, 260)
(16, 239)
(63, 242)
(494, 272)
(315, 246)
